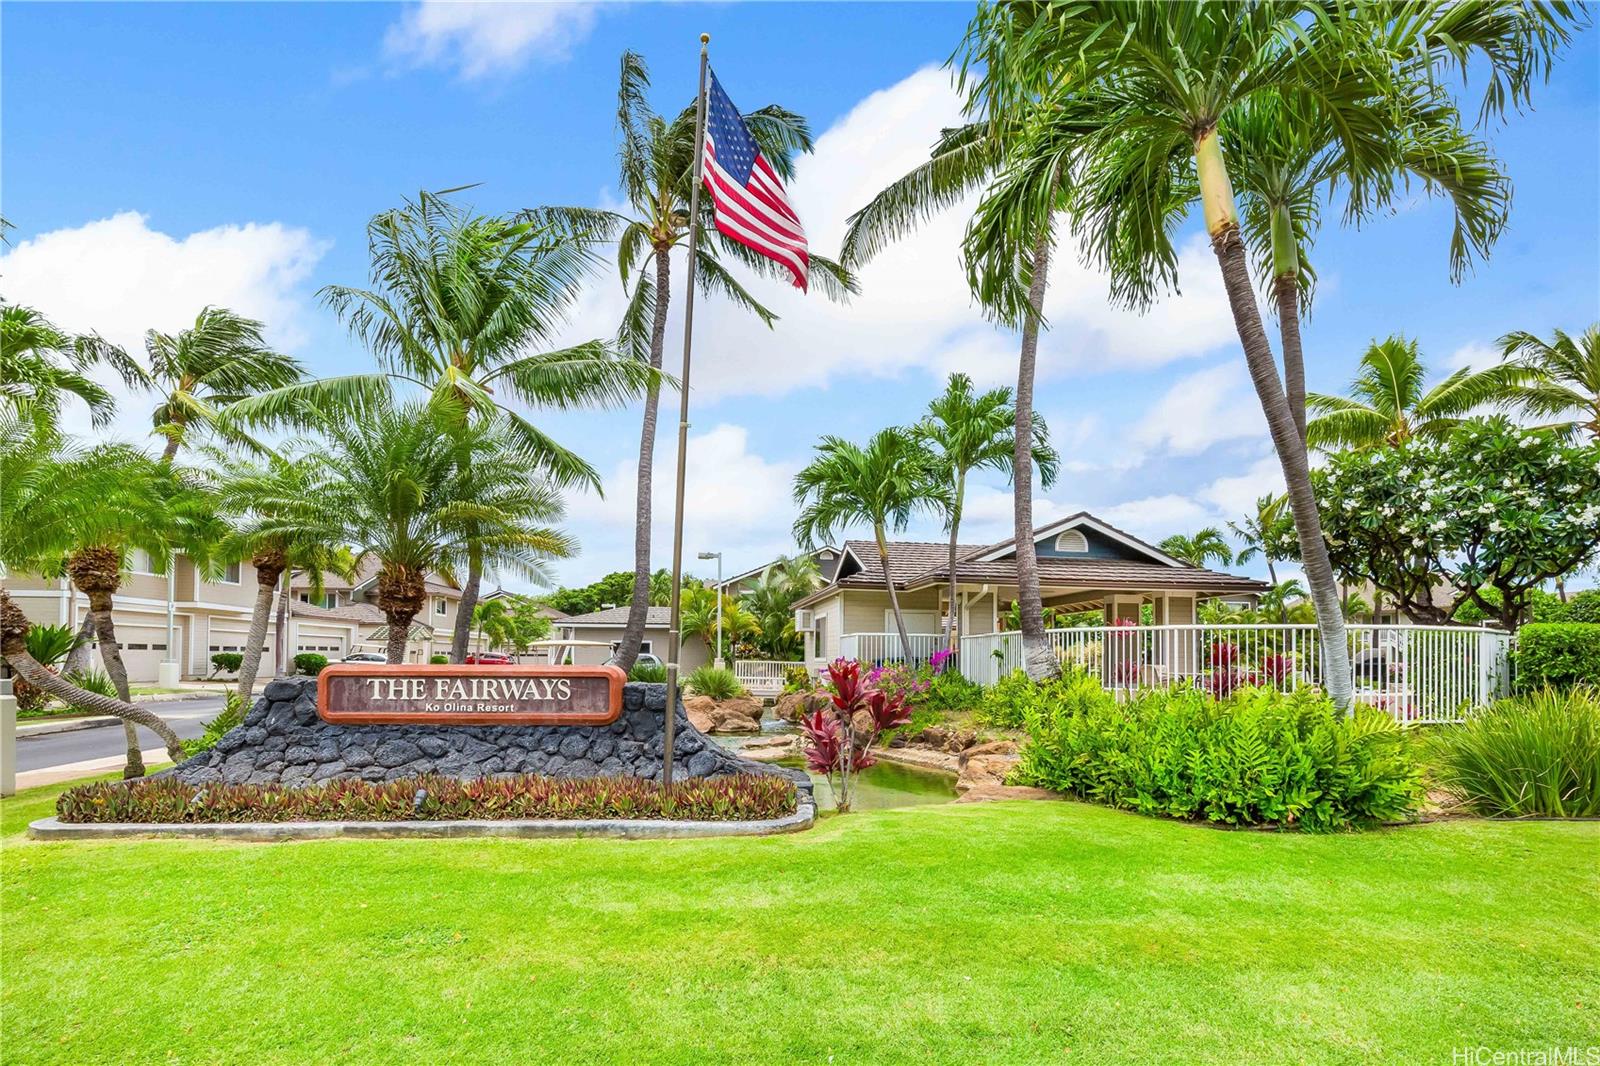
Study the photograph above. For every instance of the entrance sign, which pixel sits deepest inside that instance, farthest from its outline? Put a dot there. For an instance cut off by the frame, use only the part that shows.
(405, 694)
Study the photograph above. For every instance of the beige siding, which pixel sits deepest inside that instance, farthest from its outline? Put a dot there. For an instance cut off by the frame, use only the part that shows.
(830, 622)
(863, 608)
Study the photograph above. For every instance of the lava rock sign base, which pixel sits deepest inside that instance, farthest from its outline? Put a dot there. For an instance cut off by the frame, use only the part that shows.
(283, 741)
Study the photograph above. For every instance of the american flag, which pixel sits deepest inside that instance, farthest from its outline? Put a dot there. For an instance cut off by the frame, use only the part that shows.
(749, 203)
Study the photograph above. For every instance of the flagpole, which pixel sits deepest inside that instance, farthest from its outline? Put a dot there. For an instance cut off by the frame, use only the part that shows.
(674, 639)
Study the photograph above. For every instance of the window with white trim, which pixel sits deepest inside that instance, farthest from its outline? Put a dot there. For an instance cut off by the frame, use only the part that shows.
(139, 562)
(230, 575)
(441, 606)
(1072, 540)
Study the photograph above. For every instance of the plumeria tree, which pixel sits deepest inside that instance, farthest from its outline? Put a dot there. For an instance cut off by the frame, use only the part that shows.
(1491, 506)
(840, 736)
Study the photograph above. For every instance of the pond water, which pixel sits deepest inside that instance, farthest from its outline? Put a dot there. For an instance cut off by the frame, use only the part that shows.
(878, 787)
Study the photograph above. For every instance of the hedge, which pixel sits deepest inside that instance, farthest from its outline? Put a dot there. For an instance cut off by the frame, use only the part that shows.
(1557, 653)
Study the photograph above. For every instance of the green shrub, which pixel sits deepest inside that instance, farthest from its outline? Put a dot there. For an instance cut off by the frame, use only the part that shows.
(438, 660)
(1257, 757)
(1584, 607)
(1557, 653)
(227, 661)
(719, 684)
(167, 800)
(1002, 704)
(232, 715)
(797, 678)
(50, 645)
(1537, 754)
(950, 692)
(92, 680)
(310, 663)
(654, 673)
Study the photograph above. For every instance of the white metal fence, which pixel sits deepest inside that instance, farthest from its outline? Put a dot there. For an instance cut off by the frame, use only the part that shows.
(761, 677)
(1416, 673)
(875, 649)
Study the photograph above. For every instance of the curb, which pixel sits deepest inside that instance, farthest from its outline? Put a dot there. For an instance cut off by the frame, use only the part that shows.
(68, 725)
(53, 828)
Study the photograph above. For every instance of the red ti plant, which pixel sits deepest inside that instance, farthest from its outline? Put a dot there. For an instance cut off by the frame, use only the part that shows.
(839, 745)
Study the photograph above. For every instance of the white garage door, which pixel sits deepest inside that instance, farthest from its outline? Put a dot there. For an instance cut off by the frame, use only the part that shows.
(143, 649)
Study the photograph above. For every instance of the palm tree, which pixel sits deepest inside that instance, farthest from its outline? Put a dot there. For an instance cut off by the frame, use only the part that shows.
(882, 485)
(963, 160)
(422, 494)
(278, 534)
(1199, 549)
(1564, 378)
(491, 617)
(1277, 599)
(40, 365)
(698, 618)
(1387, 404)
(1157, 84)
(84, 513)
(51, 485)
(968, 432)
(656, 160)
(771, 599)
(200, 371)
(464, 306)
(1261, 532)
(1288, 159)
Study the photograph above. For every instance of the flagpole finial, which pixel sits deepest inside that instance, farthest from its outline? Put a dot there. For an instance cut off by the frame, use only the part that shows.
(705, 39)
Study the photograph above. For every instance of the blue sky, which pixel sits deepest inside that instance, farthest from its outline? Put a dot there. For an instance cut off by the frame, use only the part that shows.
(157, 157)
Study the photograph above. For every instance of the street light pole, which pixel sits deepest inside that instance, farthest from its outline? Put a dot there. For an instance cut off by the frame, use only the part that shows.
(718, 557)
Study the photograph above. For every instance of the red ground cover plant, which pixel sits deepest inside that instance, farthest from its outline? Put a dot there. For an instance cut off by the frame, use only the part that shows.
(431, 798)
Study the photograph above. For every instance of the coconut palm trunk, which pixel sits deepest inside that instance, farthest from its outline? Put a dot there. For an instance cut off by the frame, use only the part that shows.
(462, 633)
(1222, 223)
(14, 627)
(894, 598)
(97, 572)
(401, 597)
(270, 566)
(1286, 290)
(952, 633)
(82, 647)
(638, 607)
(1037, 657)
(281, 645)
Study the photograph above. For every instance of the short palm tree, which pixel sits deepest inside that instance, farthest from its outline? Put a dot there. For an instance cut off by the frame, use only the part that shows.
(1200, 549)
(491, 618)
(1276, 601)
(200, 371)
(656, 170)
(771, 599)
(1563, 380)
(264, 499)
(1389, 403)
(466, 307)
(1262, 532)
(698, 618)
(82, 513)
(422, 494)
(968, 431)
(882, 485)
(40, 366)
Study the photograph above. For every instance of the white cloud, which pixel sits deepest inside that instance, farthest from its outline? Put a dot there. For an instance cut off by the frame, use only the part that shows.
(1204, 408)
(736, 502)
(1233, 496)
(482, 39)
(1155, 517)
(118, 277)
(915, 311)
(1475, 356)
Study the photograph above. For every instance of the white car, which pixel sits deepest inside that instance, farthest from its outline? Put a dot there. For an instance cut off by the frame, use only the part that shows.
(365, 657)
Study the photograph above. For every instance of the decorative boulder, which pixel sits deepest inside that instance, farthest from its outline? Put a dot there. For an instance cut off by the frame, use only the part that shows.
(741, 714)
(986, 765)
(793, 706)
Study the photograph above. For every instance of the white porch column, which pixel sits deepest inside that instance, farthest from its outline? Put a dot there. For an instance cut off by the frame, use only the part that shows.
(8, 739)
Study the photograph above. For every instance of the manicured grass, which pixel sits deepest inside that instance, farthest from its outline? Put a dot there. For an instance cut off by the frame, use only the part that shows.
(1018, 932)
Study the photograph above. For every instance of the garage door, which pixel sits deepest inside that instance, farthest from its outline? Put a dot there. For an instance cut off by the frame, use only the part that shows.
(143, 649)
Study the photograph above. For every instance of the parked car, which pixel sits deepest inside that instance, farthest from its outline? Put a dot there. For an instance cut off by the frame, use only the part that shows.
(488, 658)
(365, 657)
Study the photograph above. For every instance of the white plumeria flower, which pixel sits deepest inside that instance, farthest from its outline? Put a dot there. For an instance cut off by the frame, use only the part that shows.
(1495, 526)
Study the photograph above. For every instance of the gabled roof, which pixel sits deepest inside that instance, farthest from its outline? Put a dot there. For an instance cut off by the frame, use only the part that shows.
(752, 572)
(1084, 520)
(617, 617)
(907, 559)
(363, 613)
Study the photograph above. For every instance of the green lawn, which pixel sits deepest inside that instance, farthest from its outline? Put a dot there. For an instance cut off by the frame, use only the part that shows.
(1018, 932)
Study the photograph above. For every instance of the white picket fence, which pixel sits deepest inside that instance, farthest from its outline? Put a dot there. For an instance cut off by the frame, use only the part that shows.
(1416, 673)
(875, 649)
(762, 677)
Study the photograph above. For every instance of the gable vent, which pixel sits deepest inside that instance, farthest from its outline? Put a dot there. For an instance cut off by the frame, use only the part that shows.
(1072, 540)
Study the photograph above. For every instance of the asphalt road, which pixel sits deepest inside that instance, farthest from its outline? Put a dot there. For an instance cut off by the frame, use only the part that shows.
(187, 717)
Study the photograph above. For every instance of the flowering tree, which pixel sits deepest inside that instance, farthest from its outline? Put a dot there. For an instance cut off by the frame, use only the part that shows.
(1490, 505)
(840, 737)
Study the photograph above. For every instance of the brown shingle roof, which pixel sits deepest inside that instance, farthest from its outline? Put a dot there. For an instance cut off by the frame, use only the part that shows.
(654, 618)
(907, 559)
(364, 613)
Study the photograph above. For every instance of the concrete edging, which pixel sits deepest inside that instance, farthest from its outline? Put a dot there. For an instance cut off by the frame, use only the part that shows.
(53, 828)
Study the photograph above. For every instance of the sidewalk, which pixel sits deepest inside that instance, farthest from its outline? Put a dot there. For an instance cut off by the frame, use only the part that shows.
(188, 690)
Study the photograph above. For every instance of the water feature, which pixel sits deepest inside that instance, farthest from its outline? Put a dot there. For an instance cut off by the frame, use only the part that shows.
(880, 786)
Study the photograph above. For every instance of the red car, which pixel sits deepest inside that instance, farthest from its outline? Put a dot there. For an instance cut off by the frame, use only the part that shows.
(489, 658)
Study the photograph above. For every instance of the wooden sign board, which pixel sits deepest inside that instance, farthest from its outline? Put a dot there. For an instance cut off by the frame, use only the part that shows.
(403, 694)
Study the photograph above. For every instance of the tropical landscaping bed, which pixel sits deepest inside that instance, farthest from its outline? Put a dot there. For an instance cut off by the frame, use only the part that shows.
(1010, 932)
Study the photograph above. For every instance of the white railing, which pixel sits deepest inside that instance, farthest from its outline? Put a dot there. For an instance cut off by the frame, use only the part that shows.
(762, 677)
(1417, 673)
(875, 649)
